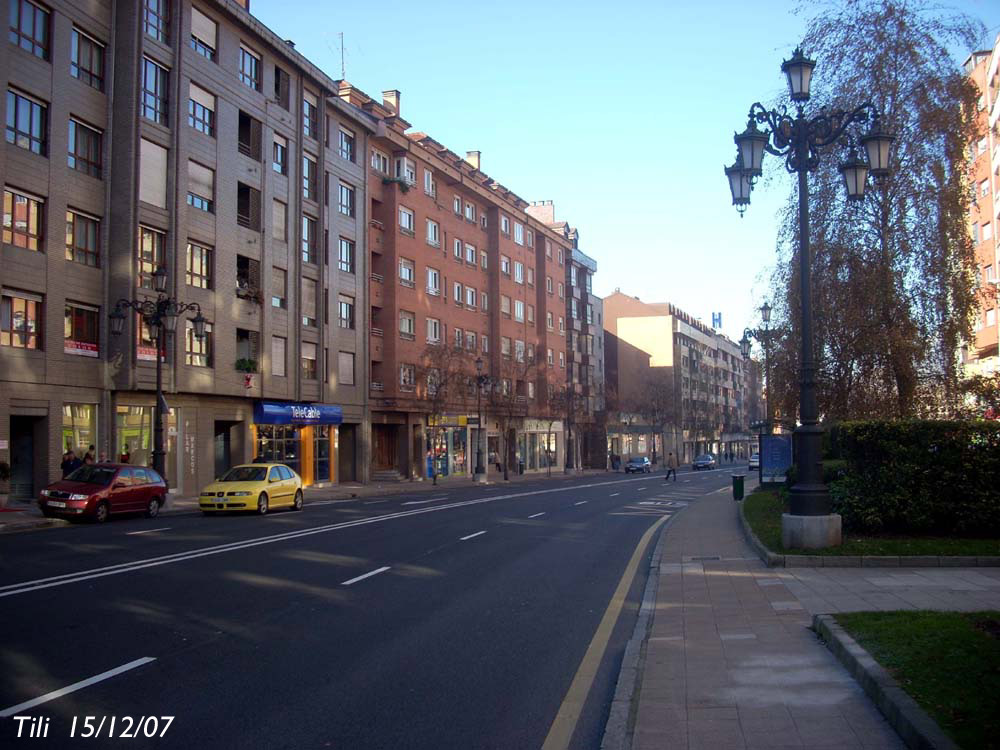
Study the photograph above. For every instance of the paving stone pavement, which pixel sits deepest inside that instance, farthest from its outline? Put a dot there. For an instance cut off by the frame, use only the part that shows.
(731, 661)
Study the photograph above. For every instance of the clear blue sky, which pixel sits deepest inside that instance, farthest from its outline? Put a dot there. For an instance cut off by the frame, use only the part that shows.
(621, 113)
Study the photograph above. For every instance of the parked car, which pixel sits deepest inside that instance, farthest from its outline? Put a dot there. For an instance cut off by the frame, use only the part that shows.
(638, 464)
(97, 491)
(755, 461)
(256, 487)
(704, 461)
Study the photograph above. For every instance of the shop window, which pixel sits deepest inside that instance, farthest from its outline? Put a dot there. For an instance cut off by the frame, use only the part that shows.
(279, 444)
(321, 453)
(79, 428)
(80, 327)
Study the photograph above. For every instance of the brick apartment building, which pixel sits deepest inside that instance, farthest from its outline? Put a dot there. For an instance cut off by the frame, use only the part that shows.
(188, 136)
(711, 385)
(455, 261)
(980, 356)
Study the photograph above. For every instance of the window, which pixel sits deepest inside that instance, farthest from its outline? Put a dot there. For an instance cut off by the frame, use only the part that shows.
(279, 345)
(198, 266)
(975, 234)
(433, 281)
(308, 352)
(470, 341)
(987, 232)
(505, 305)
(518, 272)
(347, 144)
(20, 320)
(484, 343)
(82, 238)
(201, 110)
(470, 211)
(559, 255)
(310, 114)
(458, 249)
(152, 173)
(531, 313)
(519, 350)
(345, 368)
(407, 324)
(80, 330)
(572, 276)
(197, 352)
(574, 310)
(156, 17)
(380, 161)
(459, 338)
(249, 136)
(433, 233)
(345, 255)
(250, 68)
(26, 123)
(548, 284)
(590, 313)
(562, 360)
(407, 377)
(22, 220)
(406, 170)
(247, 276)
(470, 254)
(407, 272)
(505, 265)
(562, 325)
(531, 238)
(247, 345)
(457, 292)
(589, 278)
(279, 157)
(470, 297)
(279, 220)
(308, 239)
(518, 233)
(456, 205)
(29, 28)
(482, 259)
(309, 288)
(154, 91)
(204, 32)
(433, 331)
(345, 307)
(991, 317)
(531, 390)
(149, 255)
(550, 357)
(484, 301)
(548, 249)
(201, 187)
(279, 288)
(309, 177)
(429, 186)
(86, 60)
(562, 291)
(519, 311)
(530, 276)
(346, 204)
(406, 222)
(505, 226)
(505, 346)
(984, 188)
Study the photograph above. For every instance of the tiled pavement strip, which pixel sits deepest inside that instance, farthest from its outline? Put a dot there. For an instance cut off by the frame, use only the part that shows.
(731, 661)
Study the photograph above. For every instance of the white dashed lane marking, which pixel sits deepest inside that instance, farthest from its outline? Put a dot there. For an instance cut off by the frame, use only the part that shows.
(366, 575)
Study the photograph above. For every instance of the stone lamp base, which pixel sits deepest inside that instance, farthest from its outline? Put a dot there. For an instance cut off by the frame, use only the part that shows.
(810, 532)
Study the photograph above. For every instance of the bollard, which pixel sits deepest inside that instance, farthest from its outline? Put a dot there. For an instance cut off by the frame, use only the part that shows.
(738, 486)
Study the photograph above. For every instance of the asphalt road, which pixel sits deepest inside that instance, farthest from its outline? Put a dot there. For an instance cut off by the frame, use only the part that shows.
(442, 619)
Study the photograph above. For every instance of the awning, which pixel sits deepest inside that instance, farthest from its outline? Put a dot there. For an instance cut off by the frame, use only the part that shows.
(280, 412)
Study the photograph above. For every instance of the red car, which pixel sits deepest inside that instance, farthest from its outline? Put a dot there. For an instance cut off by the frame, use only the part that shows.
(97, 490)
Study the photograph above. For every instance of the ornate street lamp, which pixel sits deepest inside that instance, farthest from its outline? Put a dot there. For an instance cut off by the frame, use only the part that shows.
(161, 316)
(739, 185)
(800, 140)
(763, 335)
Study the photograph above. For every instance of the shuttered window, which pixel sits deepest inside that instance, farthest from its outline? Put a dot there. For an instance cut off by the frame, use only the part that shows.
(152, 174)
(309, 303)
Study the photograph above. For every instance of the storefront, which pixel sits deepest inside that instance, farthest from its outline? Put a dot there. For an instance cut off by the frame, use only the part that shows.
(447, 444)
(134, 439)
(538, 445)
(302, 436)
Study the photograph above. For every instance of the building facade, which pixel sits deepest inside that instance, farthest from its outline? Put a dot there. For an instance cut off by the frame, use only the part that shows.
(189, 137)
(657, 353)
(980, 355)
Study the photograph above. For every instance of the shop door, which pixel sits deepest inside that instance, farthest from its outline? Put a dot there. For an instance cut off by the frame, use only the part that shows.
(22, 457)
(384, 446)
(346, 462)
(222, 448)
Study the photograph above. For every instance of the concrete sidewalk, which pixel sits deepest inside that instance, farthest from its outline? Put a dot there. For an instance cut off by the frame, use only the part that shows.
(731, 662)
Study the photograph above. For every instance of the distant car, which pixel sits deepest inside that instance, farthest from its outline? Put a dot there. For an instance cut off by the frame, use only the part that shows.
(755, 461)
(638, 465)
(704, 461)
(96, 491)
(256, 487)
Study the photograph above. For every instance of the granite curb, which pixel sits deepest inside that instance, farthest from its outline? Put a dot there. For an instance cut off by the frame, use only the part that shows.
(914, 726)
(620, 727)
(774, 560)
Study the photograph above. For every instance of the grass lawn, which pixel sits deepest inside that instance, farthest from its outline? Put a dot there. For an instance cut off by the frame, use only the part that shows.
(949, 663)
(763, 511)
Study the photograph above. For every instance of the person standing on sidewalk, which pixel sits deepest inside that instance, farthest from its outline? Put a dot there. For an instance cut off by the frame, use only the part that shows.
(671, 467)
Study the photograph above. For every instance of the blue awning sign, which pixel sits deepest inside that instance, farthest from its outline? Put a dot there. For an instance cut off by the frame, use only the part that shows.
(277, 412)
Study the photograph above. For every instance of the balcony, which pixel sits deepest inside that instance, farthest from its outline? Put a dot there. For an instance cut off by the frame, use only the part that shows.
(376, 289)
(376, 386)
(377, 345)
(376, 236)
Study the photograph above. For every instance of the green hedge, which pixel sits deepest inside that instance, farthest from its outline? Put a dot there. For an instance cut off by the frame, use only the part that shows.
(833, 469)
(937, 477)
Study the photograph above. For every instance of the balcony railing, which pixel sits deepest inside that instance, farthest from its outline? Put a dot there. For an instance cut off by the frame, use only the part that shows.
(377, 386)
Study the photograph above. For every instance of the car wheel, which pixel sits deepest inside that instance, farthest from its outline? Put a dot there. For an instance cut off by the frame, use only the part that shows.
(101, 512)
(297, 504)
(153, 509)
(48, 513)
(262, 504)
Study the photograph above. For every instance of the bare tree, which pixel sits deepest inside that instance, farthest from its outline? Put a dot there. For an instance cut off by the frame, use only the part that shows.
(443, 388)
(508, 399)
(657, 399)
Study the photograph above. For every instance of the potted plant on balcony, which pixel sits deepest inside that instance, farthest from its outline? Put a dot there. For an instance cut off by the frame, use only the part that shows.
(246, 365)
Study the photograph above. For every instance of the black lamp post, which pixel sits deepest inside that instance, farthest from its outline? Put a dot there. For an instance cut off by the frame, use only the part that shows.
(763, 335)
(480, 384)
(161, 316)
(799, 140)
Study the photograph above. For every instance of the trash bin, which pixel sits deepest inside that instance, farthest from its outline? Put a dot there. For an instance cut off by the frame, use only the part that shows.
(738, 486)
(520, 467)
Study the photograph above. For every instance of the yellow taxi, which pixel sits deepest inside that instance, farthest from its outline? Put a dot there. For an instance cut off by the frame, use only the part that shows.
(256, 487)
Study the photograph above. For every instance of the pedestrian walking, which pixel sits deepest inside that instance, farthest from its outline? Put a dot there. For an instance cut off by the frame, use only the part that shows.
(671, 467)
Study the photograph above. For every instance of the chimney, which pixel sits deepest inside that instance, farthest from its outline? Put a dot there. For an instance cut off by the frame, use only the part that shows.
(544, 211)
(473, 158)
(390, 100)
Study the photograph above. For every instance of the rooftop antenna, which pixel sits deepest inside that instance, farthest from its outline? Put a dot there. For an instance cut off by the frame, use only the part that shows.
(343, 74)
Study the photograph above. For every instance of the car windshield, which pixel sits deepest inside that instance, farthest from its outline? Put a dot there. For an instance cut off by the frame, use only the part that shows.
(636, 460)
(705, 457)
(91, 474)
(245, 474)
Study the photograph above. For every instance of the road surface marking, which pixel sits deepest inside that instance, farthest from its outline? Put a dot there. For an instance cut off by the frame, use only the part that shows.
(373, 502)
(582, 502)
(537, 515)
(719, 491)
(640, 489)
(23, 587)
(471, 536)
(615, 494)
(315, 503)
(147, 531)
(74, 687)
(366, 575)
(561, 731)
(421, 502)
